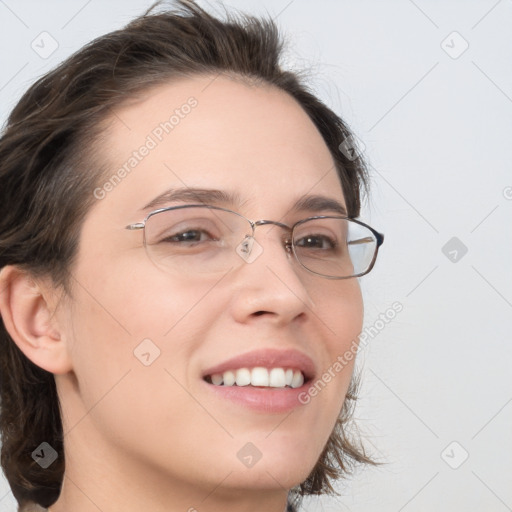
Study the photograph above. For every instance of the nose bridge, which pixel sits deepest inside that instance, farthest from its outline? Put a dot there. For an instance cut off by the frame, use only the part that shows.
(287, 291)
(267, 243)
(291, 265)
(272, 223)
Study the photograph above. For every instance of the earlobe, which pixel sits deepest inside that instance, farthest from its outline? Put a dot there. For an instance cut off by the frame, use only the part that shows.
(27, 311)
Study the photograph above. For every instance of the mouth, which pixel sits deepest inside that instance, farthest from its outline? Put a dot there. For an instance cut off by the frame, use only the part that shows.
(259, 377)
(265, 380)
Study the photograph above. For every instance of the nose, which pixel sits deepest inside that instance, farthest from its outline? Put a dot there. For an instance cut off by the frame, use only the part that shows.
(272, 287)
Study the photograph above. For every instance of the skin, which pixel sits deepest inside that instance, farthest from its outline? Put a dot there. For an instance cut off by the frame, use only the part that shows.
(150, 437)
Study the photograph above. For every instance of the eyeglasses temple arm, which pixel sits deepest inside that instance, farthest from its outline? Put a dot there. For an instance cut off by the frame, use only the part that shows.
(378, 236)
(137, 225)
(361, 241)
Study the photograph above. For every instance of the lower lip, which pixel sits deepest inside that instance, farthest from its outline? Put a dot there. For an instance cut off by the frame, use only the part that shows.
(267, 400)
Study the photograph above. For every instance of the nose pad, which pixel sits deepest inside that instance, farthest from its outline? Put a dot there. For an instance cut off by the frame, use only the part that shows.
(253, 244)
(249, 249)
(287, 244)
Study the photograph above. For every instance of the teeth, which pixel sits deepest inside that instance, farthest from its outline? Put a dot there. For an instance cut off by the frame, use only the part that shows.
(298, 380)
(243, 377)
(228, 378)
(261, 377)
(217, 379)
(276, 378)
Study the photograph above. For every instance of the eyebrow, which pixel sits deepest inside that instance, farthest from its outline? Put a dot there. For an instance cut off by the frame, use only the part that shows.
(318, 204)
(308, 203)
(198, 195)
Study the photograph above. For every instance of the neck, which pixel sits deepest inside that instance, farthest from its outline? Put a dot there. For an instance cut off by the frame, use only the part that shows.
(104, 479)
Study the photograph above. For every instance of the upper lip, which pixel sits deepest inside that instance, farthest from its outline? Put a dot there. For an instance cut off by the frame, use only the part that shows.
(267, 358)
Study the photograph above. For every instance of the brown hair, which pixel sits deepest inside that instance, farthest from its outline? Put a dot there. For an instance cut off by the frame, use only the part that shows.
(46, 157)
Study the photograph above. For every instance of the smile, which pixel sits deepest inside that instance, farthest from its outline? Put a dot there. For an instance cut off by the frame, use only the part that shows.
(258, 377)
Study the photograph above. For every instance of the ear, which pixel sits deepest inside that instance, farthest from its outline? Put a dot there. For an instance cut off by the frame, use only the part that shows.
(28, 307)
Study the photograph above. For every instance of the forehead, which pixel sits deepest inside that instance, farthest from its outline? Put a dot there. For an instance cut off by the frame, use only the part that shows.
(215, 132)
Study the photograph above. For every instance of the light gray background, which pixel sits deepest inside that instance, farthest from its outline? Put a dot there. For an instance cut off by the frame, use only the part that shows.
(438, 133)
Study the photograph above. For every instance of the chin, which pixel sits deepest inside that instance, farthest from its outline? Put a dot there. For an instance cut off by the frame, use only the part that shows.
(279, 468)
(266, 478)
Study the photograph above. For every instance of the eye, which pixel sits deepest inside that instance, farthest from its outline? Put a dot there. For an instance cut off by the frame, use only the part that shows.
(186, 232)
(189, 235)
(316, 241)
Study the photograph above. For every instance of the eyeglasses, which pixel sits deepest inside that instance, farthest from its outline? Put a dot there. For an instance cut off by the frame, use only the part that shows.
(207, 239)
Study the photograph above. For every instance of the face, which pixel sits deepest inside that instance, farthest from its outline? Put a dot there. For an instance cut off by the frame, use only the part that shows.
(142, 339)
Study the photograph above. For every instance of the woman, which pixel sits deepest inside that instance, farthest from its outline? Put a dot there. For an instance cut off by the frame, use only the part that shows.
(179, 264)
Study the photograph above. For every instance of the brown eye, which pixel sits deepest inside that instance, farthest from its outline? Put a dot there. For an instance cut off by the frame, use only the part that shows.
(191, 235)
(316, 242)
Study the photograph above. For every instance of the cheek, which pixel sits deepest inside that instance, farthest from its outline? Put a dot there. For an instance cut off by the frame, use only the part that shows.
(136, 299)
(132, 343)
(340, 307)
(146, 321)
